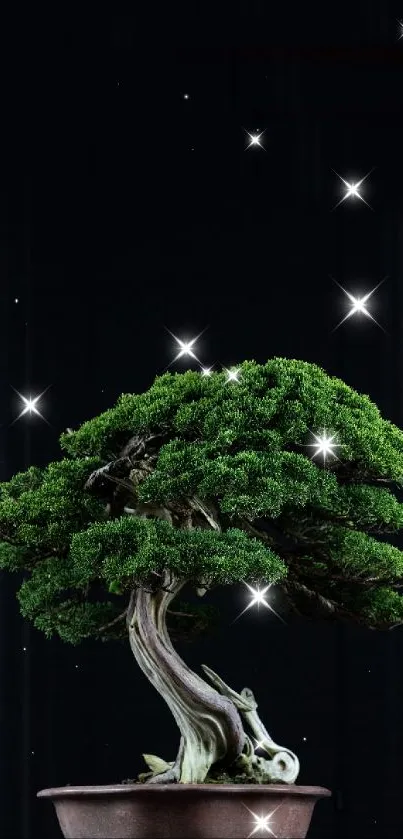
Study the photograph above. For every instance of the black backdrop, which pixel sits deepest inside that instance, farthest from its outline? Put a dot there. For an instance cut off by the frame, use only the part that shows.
(126, 208)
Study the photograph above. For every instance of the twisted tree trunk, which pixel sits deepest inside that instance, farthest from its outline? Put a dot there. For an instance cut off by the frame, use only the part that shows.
(209, 723)
(208, 720)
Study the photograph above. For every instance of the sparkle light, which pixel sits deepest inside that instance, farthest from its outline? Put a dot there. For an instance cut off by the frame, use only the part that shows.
(186, 347)
(255, 140)
(30, 405)
(359, 304)
(261, 822)
(232, 375)
(206, 371)
(400, 23)
(259, 744)
(324, 445)
(259, 598)
(352, 190)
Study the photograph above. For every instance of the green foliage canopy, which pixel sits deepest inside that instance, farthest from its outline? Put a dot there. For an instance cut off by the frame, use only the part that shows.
(221, 488)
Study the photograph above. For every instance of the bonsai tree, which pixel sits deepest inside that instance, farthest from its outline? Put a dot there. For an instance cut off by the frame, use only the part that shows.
(210, 481)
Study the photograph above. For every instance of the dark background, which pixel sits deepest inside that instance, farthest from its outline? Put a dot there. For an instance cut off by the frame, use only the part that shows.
(127, 209)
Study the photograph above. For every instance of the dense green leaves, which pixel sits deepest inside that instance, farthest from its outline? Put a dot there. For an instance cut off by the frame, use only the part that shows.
(74, 621)
(241, 447)
(379, 607)
(124, 550)
(273, 406)
(119, 554)
(41, 509)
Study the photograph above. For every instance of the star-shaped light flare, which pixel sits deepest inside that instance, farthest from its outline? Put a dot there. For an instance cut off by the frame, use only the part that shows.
(186, 347)
(359, 304)
(324, 445)
(259, 598)
(259, 744)
(255, 140)
(206, 371)
(400, 24)
(261, 822)
(353, 190)
(30, 405)
(232, 375)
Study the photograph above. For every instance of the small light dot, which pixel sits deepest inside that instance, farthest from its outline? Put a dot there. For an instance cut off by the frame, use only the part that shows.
(304, 738)
(16, 300)
(24, 649)
(186, 96)
(76, 666)
(32, 753)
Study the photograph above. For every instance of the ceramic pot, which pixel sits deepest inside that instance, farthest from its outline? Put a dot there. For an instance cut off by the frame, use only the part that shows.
(184, 811)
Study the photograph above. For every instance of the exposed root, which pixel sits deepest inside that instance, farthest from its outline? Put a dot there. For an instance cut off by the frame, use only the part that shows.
(283, 765)
(247, 768)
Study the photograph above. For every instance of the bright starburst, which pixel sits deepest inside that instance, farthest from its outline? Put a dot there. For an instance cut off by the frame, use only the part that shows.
(30, 405)
(258, 597)
(206, 371)
(232, 375)
(400, 23)
(359, 305)
(352, 190)
(324, 445)
(255, 140)
(186, 347)
(261, 822)
(259, 744)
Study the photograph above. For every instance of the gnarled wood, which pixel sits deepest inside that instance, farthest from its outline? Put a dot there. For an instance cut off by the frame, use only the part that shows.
(210, 726)
(283, 766)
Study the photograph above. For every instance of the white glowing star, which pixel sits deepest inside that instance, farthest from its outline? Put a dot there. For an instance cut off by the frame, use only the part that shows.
(232, 375)
(400, 22)
(261, 822)
(258, 598)
(186, 347)
(352, 190)
(324, 445)
(255, 140)
(206, 371)
(259, 744)
(30, 405)
(359, 305)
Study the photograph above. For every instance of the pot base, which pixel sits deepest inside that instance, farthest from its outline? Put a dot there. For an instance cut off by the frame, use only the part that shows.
(184, 811)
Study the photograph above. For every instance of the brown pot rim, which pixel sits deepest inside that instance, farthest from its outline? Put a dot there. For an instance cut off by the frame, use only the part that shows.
(148, 789)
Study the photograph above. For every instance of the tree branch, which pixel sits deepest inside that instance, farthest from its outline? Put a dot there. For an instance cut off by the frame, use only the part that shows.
(119, 618)
(181, 614)
(328, 606)
(197, 504)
